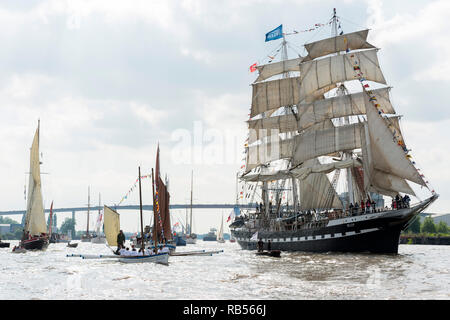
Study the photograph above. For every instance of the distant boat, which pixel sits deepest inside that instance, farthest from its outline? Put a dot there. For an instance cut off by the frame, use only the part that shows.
(98, 237)
(211, 236)
(191, 238)
(87, 237)
(4, 244)
(72, 245)
(220, 238)
(35, 235)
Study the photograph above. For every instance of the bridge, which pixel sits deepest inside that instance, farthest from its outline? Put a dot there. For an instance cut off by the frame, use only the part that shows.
(136, 207)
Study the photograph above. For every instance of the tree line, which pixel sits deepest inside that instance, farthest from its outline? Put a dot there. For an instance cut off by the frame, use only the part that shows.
(428, 226)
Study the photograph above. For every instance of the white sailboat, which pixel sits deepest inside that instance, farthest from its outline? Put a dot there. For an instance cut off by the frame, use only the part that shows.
(87, 237)
(220, 238)
(99, 237)
(35, 235)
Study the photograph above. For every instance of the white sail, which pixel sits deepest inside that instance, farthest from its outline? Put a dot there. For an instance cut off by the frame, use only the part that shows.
(274, 94)
(269, 70)
(220, 234)
(317, 143)
(315, 190)
(385, 154)
(321, 110)
(263, 153)
(112, 225)
(35, 218)
(324, 72)
(352, 41)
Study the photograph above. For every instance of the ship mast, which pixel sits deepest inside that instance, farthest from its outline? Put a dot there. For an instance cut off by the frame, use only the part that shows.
(190, 220)
(346, 120)
(89, 203)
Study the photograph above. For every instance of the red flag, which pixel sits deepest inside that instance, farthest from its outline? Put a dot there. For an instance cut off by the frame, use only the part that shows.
(253, 67)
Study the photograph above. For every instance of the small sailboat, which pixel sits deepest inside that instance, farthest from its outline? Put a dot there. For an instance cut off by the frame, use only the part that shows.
(87, 237)
(35, 235)
(220, 238)
(98, 237)
(4, 244)
(72, 245)
(162, 231)
(191, 238)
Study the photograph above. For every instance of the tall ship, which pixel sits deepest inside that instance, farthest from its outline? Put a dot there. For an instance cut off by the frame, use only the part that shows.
(35, 236)
(324, 144)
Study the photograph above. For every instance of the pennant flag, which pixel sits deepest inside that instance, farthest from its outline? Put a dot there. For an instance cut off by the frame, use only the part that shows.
(253, 67)
(275, 34)
(254, 236)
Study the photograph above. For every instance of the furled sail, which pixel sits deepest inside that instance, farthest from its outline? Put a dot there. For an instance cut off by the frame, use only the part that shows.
(267, 176)
(315, 190)
(351, 41)
(320, 110)
(35, 218)
(321, 73)
(111, 225)
(304, 171)
(317, 143)
(272, 69)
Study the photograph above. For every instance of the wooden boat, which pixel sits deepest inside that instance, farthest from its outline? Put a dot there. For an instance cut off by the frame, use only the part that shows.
(17, 249)
(4, 244)
(35, 235)
(162, 258)
(271, 253)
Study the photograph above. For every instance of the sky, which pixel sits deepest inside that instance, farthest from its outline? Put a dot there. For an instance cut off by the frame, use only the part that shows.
(109, 80)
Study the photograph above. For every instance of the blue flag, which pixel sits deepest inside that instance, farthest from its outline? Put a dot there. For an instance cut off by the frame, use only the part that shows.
(276, 33)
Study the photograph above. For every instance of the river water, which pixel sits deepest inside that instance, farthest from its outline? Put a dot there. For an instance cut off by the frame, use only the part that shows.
(417, 272)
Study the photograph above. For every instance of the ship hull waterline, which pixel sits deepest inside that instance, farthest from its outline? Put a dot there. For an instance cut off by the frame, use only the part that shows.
(372, 232)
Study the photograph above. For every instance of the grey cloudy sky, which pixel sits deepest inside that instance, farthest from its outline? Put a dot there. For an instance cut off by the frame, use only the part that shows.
(109, 79)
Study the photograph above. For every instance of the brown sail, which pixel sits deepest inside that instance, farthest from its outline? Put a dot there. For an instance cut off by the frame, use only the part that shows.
(162, 205)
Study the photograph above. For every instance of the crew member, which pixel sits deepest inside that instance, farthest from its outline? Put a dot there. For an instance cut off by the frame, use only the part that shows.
(121, 240)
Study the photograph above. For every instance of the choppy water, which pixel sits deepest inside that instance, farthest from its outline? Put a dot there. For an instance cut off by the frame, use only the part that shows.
(417, 272)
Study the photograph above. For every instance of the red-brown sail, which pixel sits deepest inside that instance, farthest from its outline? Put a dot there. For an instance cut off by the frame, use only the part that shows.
(163, 200)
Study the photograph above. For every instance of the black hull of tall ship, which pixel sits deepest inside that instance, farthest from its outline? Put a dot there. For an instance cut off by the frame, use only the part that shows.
(35, 244)
(372, 232)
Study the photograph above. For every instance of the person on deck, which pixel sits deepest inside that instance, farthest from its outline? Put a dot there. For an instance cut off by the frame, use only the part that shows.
(373, 206)
(350, 208)
(368, 205)
(260, 245)
(165, 249)
(121, 240)
(269, 245)
(397, 201)
(362, 206)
